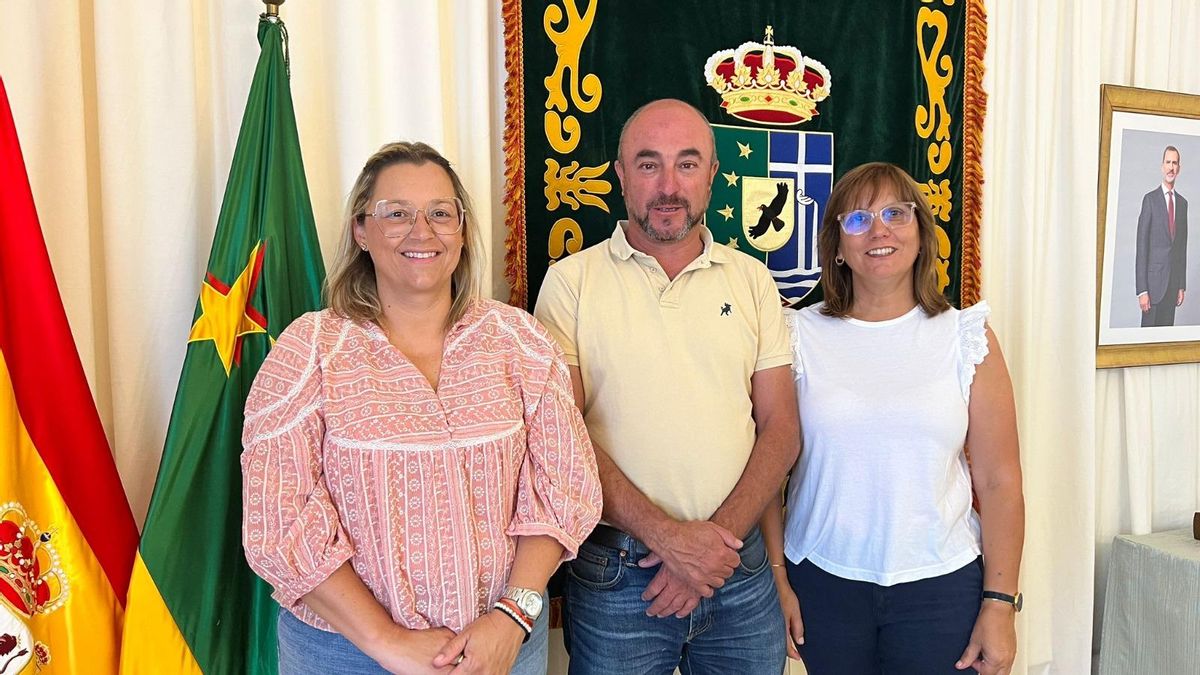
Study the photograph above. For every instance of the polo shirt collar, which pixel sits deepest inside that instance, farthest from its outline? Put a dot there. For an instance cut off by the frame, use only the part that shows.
(618, 244)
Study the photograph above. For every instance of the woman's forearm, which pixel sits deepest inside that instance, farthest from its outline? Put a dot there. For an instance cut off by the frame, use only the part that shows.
(1002, 523)
(536, 559)
(345, 602)
(771, 524)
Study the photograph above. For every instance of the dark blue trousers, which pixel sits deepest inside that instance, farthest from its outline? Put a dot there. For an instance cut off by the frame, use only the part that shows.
(860, 628)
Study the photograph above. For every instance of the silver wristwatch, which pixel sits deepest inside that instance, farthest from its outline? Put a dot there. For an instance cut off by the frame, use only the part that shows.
(529, 600)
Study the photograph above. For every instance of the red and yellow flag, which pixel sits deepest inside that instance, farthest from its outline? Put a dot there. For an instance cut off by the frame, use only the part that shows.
(67, 537)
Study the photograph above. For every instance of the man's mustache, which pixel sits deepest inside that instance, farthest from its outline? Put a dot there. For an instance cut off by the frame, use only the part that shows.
(664, 200)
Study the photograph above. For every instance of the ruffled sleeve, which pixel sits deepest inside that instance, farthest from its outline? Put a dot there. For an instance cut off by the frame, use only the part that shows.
(791, 317)
(558, 490)
(290, 527)
(972, 344)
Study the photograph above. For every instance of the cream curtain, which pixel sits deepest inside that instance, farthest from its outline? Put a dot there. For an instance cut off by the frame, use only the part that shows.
(1038, 246)
(1148, 419)
(128, 113)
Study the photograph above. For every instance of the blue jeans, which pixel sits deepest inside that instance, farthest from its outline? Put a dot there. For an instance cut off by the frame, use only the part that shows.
(860, 628)
(304, 650)
(738, 630)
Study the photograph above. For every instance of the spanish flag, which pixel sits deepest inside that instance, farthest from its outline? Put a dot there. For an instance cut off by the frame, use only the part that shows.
(67, 537)
(195, 606)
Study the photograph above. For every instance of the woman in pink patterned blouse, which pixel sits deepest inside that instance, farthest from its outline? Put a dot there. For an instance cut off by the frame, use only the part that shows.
(414, 467)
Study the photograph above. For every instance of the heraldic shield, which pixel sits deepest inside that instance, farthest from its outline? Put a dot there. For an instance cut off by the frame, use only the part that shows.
(769, 197)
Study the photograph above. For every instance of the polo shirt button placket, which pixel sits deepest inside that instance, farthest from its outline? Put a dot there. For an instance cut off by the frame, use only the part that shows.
(660, 280)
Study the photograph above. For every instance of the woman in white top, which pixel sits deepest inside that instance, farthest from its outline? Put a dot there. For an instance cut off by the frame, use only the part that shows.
(894, 569)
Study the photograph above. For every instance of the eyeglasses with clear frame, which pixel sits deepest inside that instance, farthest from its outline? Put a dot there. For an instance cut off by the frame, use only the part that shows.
(396, 218)
(858, 222)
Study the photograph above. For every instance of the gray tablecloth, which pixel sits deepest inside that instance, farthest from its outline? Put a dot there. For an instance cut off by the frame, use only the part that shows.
(1152, 610)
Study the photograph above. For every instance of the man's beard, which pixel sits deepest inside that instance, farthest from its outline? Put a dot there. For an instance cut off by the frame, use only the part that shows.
(691, 219)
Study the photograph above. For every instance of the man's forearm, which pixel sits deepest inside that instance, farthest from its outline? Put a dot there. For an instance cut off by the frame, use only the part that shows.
(776, 446)
(774, 453)
(626, 506)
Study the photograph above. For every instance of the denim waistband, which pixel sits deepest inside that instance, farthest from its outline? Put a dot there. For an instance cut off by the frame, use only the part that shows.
(606, 535)
(611, 537)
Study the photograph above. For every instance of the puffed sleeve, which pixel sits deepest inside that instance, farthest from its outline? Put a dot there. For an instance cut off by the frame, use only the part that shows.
(290, 528)
(972, 344)
(558, 491)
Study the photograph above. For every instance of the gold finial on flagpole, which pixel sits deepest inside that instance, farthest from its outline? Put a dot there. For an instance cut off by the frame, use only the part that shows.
(273, 7)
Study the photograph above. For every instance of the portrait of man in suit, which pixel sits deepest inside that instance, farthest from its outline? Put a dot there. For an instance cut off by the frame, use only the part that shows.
(1161, 251)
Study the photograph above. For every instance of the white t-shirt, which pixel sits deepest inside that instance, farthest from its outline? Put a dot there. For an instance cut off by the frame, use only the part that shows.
(882, 492)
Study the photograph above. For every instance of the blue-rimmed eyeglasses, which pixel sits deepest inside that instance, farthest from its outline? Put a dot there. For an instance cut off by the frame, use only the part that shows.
(895, 215)
(397, 217)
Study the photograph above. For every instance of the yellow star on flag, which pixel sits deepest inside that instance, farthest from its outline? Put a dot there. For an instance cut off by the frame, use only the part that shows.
(743, 149)
(732, 177)
(727, 212)
(226, 314)
(732, 242)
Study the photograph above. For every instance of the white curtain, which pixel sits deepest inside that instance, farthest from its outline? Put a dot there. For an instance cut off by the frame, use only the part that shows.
(1148, 418)
(128, 113)
(1038, 246)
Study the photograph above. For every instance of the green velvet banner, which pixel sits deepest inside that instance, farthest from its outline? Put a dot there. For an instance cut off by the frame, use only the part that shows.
(798, 91)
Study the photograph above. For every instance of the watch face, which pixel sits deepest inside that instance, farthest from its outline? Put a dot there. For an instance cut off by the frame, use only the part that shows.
(531, 604)
(1020, 601)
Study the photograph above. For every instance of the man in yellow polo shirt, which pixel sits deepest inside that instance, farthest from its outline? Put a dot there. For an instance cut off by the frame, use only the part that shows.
(680, 362)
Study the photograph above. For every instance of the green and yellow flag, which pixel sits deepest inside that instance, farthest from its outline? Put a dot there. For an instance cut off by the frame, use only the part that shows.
(194, 605)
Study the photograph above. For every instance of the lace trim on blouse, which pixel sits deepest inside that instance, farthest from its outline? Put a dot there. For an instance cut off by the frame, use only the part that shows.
(972, 343)
(792, 318)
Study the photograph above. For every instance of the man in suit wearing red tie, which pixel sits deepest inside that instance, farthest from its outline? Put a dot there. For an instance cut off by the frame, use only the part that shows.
(1161, 254)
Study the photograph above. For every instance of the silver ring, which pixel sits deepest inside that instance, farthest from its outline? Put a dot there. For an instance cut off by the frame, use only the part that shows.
(459, 659)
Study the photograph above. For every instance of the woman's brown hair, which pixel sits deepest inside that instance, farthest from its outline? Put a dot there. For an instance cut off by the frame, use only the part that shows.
(858, 188)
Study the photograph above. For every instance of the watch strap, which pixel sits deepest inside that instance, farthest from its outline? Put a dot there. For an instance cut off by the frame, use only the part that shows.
(522, 597)
(1014, 600)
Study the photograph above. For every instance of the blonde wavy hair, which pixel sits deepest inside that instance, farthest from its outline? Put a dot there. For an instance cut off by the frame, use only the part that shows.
(351, 288)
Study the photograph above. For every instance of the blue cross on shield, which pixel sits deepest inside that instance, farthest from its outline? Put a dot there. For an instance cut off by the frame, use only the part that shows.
(768, 199)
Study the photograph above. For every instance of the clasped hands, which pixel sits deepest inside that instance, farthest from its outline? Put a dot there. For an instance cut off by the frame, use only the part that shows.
(696, 558)
(488, 646)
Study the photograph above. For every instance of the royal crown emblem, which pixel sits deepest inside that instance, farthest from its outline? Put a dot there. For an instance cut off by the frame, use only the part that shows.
(768, 83)
(31, 578)
(32, 582)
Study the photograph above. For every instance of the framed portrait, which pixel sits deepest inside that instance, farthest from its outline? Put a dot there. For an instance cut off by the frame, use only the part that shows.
(1147, 265)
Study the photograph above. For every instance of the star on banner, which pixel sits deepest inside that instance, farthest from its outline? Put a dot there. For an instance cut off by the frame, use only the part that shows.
(727, 212)
(732, 242)
(226, 314)
(743, 149)
(732, 177)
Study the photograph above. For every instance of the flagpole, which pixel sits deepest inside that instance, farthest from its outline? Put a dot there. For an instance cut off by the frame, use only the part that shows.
(272, 15)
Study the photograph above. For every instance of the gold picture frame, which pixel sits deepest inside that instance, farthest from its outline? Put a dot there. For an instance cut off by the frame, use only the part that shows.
(1138, 127)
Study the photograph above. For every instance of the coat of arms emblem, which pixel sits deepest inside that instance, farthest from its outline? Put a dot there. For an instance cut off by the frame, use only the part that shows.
(773, 184)
(32, 582)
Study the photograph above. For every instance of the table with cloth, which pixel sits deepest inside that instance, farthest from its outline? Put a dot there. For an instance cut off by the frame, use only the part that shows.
(1152, 611)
